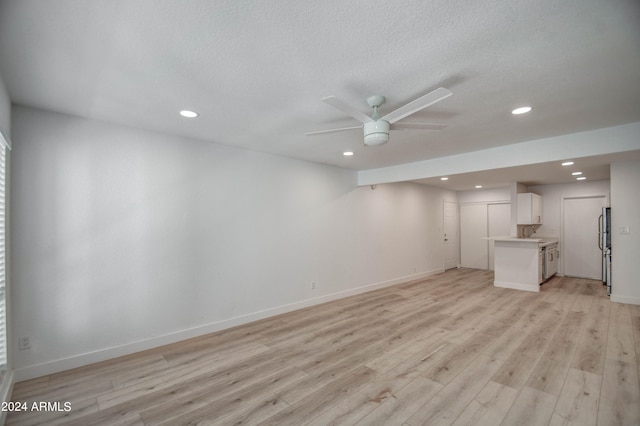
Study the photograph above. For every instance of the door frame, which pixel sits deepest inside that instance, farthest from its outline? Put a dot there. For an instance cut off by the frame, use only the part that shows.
(457, 239)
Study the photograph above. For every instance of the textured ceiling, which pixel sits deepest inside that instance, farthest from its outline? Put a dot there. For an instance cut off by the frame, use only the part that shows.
(256, 71)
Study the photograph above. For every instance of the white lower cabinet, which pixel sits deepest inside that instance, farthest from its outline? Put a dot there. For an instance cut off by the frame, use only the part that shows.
(517, 264)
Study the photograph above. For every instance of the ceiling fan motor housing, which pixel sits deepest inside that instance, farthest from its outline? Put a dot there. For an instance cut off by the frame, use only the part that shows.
(376, 132)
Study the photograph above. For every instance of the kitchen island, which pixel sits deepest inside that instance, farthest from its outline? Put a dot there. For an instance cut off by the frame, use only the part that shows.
(518, 262)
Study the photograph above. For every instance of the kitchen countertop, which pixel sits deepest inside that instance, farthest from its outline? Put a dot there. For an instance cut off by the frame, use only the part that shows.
(542, 241)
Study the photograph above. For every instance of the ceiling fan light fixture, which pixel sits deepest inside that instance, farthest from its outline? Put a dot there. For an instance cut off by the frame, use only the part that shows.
(376, 132)
(376, 128)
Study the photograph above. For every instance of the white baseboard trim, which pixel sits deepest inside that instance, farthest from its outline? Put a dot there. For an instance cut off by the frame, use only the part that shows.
(625, 299)
(518, 286)
(38, 370)
(6, 388)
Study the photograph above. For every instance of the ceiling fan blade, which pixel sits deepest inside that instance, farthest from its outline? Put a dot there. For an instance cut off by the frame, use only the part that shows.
(420, 103)
(319, 132)
(422, 126)
(347, 109)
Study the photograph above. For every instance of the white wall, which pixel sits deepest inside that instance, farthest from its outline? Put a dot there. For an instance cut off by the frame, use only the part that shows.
(515, 189)
(625, 212)
(126, 239)
(486, 196)
(5, 112)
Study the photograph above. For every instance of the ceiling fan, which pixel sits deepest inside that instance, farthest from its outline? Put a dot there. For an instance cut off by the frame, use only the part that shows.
(376, 128)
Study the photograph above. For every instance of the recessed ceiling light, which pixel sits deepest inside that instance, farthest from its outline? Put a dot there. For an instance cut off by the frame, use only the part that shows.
(444, 178)
(581, 178)
(478, 186)
(576, 173)
(188, 114)
(347, 153)
(568, 163)
(521, 110)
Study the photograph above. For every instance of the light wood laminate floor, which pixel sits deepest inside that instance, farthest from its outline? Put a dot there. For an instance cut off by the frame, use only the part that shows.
(449, 349)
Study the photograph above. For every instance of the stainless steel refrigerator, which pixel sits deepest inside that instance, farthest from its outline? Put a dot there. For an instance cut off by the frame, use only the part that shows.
(604, 243)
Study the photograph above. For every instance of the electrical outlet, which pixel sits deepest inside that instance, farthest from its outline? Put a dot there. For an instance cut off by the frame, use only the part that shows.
(24, 343)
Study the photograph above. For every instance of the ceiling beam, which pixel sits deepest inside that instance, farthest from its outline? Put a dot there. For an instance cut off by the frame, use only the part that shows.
(608, 140)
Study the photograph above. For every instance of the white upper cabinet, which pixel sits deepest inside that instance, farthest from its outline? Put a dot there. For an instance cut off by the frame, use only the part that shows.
(529, 209)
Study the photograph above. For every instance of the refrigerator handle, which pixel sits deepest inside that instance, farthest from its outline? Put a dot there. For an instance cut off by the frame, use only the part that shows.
(600, 232)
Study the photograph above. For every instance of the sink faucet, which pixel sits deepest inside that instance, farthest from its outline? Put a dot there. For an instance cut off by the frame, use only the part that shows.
(524, 231)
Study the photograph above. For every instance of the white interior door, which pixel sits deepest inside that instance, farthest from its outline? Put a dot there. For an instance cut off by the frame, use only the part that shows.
(473, 236)
(580, 252)
(499, 222)
(451, 246)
